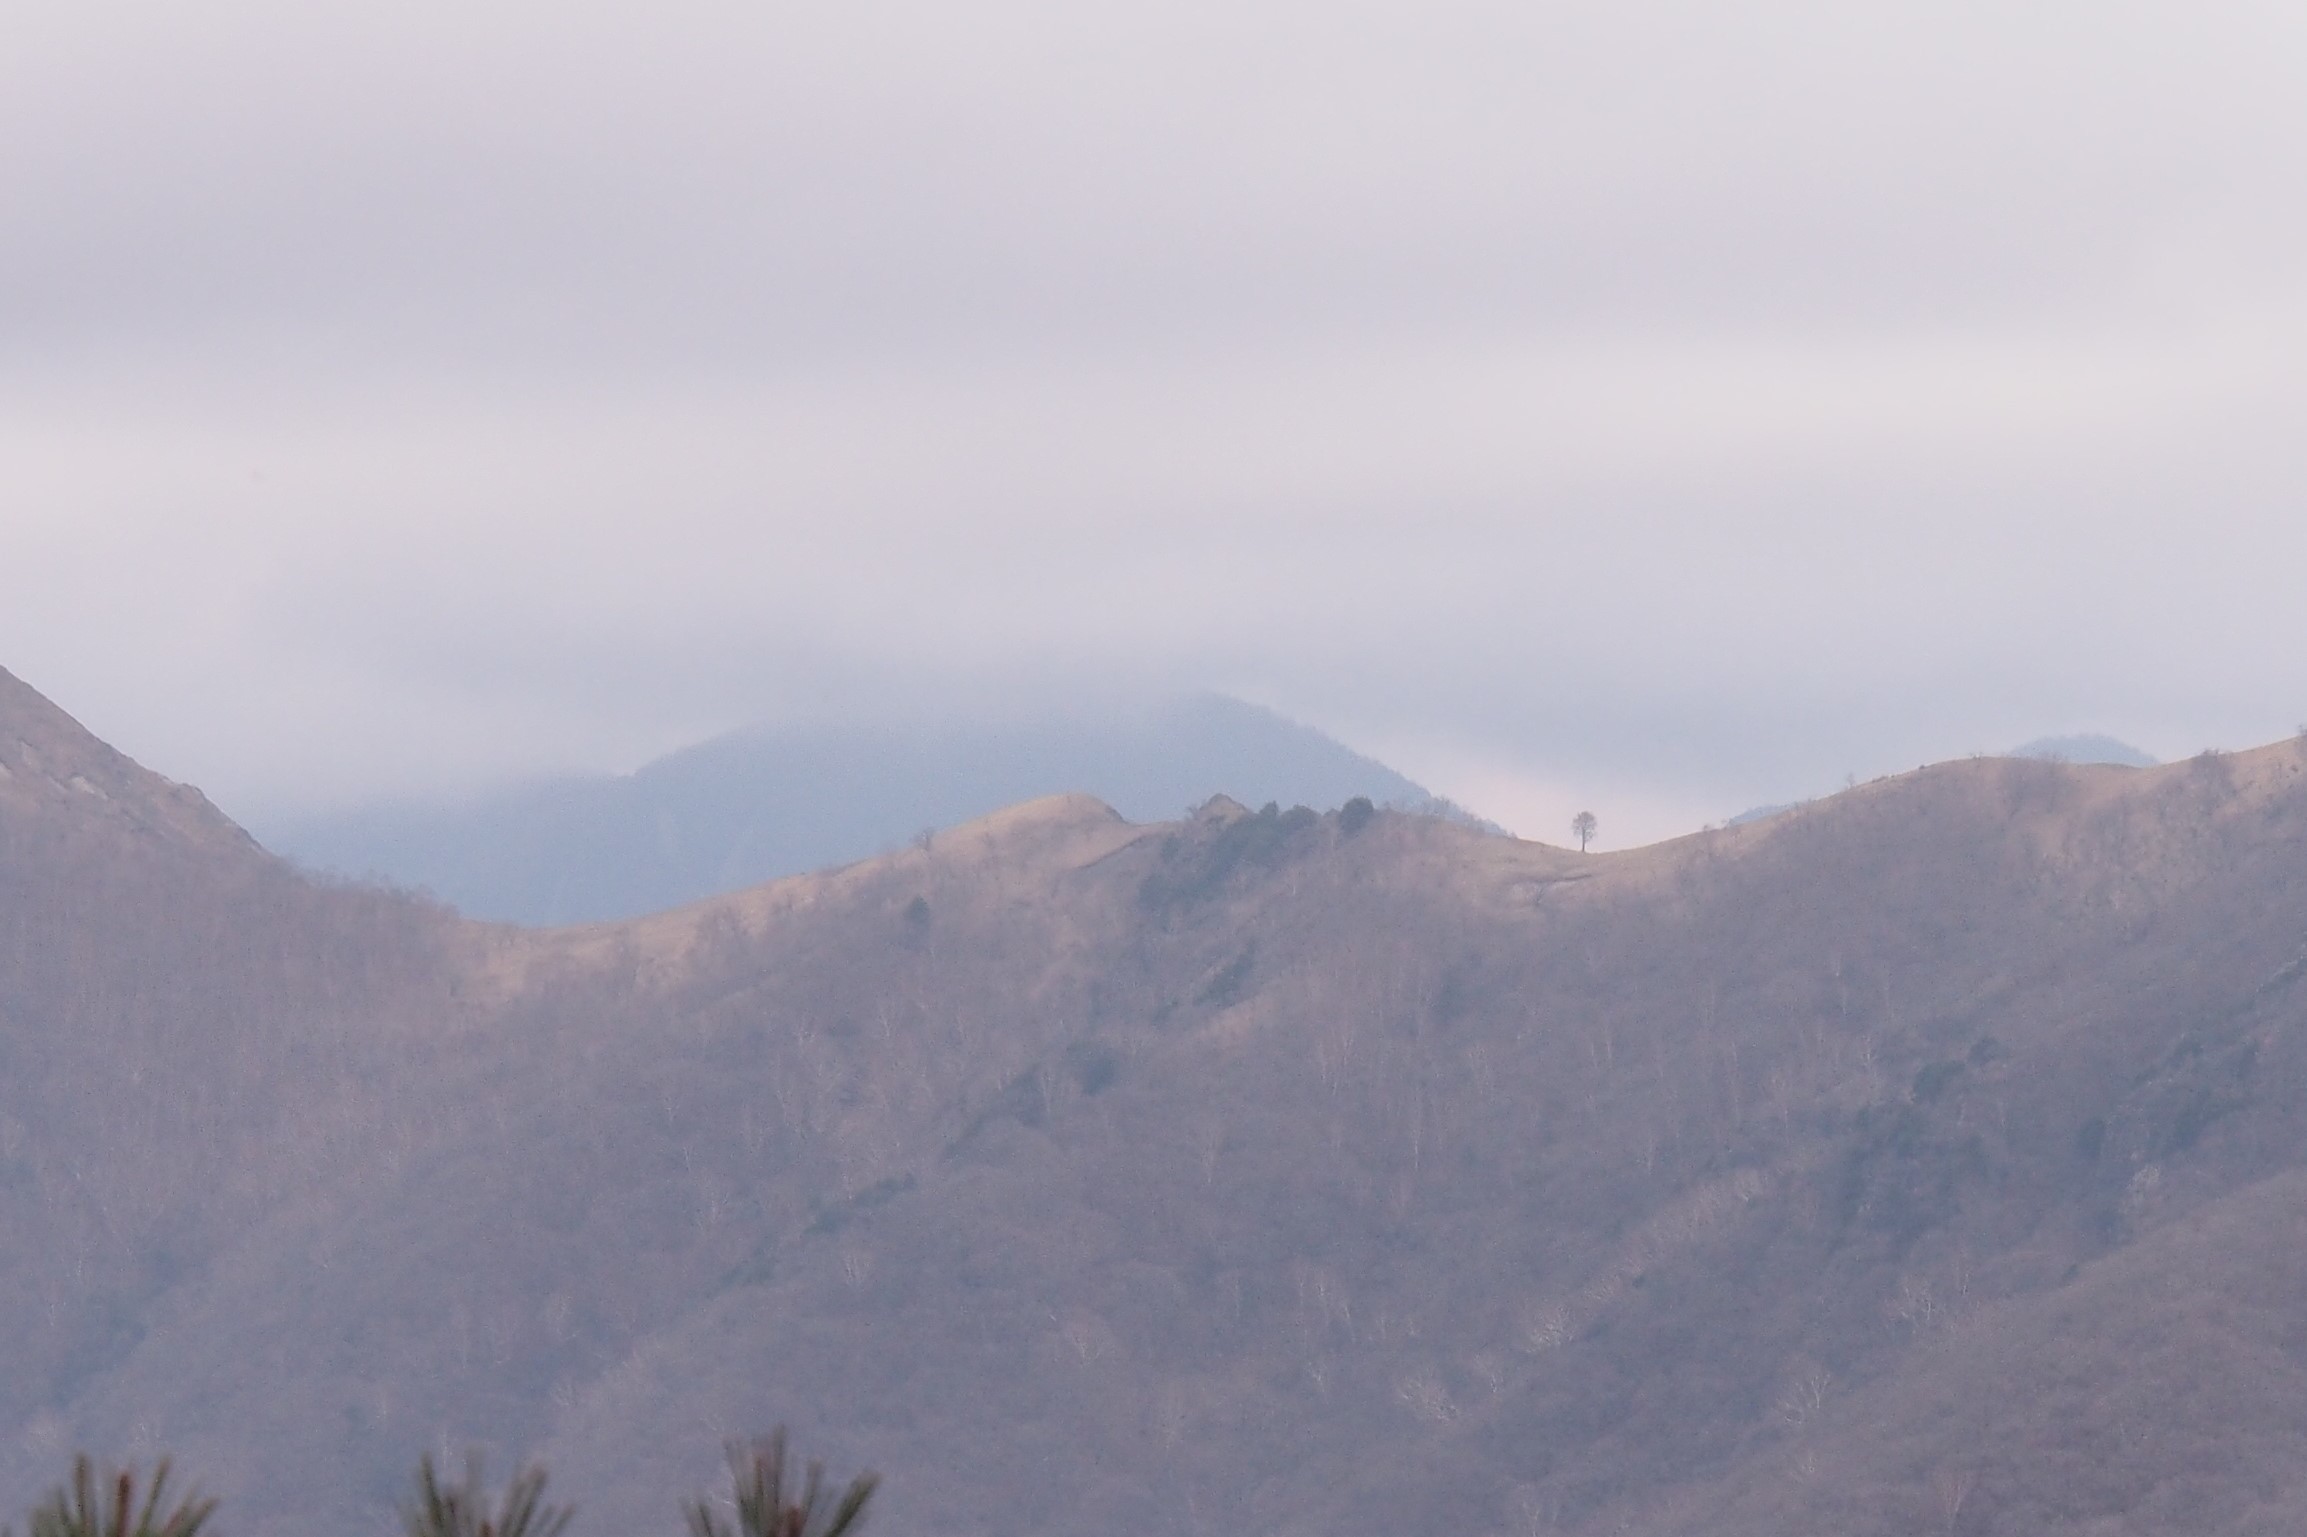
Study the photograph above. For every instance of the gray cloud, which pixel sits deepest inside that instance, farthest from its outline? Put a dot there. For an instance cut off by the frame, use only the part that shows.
(1672, 402)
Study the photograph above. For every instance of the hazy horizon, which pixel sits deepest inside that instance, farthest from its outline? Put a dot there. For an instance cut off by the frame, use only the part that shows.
(1522, 806)
(1662, 411)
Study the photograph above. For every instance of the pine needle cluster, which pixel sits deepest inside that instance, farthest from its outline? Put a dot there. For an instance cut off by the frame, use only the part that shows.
(765, 1499)
(108, 1507)
(465, 1509)
(765, 1507)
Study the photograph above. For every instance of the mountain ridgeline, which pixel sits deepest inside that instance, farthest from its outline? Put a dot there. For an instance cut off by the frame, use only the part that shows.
(774, 801)
(1926, 1159)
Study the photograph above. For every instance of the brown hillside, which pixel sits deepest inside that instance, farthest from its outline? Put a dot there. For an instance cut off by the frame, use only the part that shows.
(54, 775)
(1923, 1160)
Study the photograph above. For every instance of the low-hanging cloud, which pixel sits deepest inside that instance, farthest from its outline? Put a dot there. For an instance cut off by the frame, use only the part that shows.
(1664, 402)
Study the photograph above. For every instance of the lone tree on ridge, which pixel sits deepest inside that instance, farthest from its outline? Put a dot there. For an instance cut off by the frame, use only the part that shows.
(1582, 827)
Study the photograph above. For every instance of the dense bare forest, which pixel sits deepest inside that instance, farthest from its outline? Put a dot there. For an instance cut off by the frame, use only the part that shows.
(1928, 1159)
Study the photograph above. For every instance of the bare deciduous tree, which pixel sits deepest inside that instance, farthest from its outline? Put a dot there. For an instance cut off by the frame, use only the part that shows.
(1424, 1395)
(1533, 1510)
(1582, 828)
(1914, 1305)
(1804, 1395)
(1951, 1487)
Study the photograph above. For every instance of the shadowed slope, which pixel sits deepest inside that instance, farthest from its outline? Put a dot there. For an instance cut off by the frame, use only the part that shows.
(190, 1034)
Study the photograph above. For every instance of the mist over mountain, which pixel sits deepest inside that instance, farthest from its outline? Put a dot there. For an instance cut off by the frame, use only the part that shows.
(2085, 748)
(1929, 1158)
(759, 804)
(2088, 747)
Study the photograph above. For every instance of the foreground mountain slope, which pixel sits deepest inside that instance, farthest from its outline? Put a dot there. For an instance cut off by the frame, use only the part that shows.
(1560, 1204)
(188, 1033)
(2164, 1389)
(756, 805)
(1922, 1159)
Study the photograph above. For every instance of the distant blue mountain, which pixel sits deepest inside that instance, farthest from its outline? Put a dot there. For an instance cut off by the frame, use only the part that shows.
(2087, 748)
(775, 801)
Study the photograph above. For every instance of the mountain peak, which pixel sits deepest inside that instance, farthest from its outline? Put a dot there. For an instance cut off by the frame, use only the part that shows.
(54, 769)
(2087, 747)
(775, 801)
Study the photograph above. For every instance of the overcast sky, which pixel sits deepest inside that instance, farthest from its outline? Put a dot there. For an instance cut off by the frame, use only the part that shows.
(1653, 407)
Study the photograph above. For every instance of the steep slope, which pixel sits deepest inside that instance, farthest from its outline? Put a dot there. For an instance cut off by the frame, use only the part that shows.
(2163, 1389)
(189, 1032)
(55, 777)
(761, 804)
(1928, 1158)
